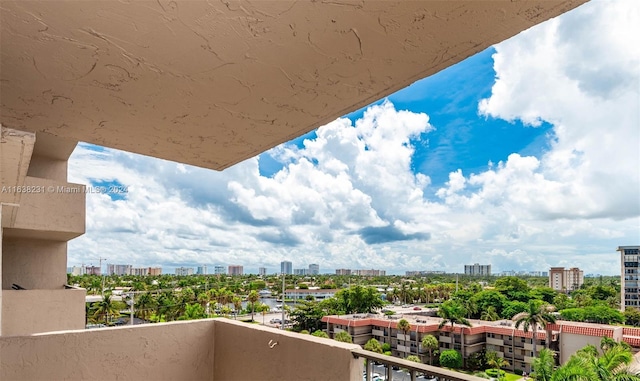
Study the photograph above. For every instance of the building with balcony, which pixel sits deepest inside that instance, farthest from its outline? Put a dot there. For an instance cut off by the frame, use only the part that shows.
(118, 269)
(314, 269)
(181, 271)
(477, 270)
(219, 270)
(262, 271)
(629, 266)
(286, 267)
(236, 270)
(303, 294)
(343, 272)
(167, 80)
(565, 280)
(514, 345)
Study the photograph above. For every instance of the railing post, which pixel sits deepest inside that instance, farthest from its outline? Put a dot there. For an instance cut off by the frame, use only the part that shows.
(369, 369)
(412, 373)
(389, 373)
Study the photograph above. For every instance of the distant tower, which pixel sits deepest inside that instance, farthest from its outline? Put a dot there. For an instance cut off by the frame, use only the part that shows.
(286, 267)
(314, 269)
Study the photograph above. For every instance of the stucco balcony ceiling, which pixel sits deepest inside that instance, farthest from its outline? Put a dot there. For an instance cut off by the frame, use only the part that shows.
(211, 83)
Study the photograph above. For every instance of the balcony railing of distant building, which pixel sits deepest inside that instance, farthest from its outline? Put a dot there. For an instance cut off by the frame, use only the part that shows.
(413, 369)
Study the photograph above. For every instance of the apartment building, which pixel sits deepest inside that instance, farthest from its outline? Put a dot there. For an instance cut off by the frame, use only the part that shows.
(300, 271)
(118, 269)
(236, 270)
(219, 270)
(565, 280)
(286, 267)
(184, 270)
(343, 272)
(515, 345)
(629, 266)
(202, 270)
(262, 271)
(303, 294)
(371, 272)
(477, 269)
(314, 269)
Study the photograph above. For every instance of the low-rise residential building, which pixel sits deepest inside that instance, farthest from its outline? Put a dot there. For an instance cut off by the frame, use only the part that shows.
(515, 345)
(302, 294)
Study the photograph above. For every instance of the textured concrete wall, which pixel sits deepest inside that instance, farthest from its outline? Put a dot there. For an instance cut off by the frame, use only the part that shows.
(172, 351)
(47, 168)
(243, 353)
(32, 311)
(52, 206)
(33, 264)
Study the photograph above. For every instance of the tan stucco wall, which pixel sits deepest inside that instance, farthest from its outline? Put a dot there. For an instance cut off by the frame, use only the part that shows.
(33, 264)
(32, 311)
(570, 343)
(53, 206)
(172, 351)
(47, 168)
(243, 353)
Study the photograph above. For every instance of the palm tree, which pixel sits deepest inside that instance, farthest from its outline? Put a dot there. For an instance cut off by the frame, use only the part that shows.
(495, 361)
(453, 313)
(543, 365)
(405, 327)
(612, 364)
(145, 304)
(535, 315)
(105, 308)
(490, 314)
(253, 297)
(430, 343)
(193, 312)
(237, 305)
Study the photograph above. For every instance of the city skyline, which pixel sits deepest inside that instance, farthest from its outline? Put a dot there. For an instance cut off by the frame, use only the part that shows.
(524, 155)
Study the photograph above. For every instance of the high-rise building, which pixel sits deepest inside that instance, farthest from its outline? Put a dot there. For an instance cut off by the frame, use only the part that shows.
(155, 270)
(76, 270)
(477, 269)
(565, 280)
(286, 267)
(629, 273)
(92, 270)
(371, 272)
(118, 269)
(140, 271)
(202, 270)
(314, 269)
(262, 271)
(299, 271)
(219, 270)
(184, 270)
(343, 272)
(235, 270)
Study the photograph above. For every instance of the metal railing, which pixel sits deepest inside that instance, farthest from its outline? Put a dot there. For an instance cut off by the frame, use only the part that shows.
(413, 369)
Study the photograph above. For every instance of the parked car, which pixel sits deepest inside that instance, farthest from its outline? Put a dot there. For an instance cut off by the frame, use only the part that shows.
(416, 308)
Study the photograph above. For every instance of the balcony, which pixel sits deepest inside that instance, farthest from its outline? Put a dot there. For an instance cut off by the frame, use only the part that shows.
(493, 341)
(50, 210)
(31, 311)
(210, 349)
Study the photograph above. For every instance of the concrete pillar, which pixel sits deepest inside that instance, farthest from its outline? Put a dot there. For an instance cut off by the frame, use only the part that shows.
(33, 253)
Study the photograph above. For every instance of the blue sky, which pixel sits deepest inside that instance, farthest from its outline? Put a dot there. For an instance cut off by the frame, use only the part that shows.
(524, 156)
(463, 139)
